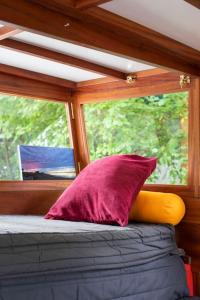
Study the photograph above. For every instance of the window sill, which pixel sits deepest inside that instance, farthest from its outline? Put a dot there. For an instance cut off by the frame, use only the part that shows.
(58, 185)
(33, 185)
(182, 190)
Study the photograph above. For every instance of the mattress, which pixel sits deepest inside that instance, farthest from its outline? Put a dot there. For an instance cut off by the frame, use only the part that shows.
(56, 260)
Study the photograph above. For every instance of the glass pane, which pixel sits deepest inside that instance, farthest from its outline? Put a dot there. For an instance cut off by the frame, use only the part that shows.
(149, 126)
(28, 122)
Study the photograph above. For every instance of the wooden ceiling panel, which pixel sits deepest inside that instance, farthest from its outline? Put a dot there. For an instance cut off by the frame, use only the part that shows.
(61, 58)
(36, 76)
(131, 41)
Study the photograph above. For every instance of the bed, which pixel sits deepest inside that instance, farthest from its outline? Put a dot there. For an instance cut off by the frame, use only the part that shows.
(59, 260)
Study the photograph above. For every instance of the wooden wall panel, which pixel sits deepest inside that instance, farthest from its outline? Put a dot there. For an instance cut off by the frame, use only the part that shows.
(30, 197)
(72, 125)
(27, 202)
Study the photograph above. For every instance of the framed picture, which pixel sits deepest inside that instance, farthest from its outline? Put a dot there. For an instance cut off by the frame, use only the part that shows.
(46, 163)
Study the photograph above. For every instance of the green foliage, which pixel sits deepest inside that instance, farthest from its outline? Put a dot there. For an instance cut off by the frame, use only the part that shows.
(28, 122)
(149, 126)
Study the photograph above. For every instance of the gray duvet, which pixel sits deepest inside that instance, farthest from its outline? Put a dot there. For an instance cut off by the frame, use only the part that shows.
(59, 260)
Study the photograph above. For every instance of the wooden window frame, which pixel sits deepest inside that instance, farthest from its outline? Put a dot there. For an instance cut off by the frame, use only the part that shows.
(26, 87)
(148, 83)
(152, 85)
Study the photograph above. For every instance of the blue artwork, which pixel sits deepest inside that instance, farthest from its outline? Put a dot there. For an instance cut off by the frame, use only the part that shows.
(46, 163)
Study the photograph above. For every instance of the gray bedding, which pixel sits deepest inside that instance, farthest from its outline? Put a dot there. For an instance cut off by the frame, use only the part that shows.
(59, 260)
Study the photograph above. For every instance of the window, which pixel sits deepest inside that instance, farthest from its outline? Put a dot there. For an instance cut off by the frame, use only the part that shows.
(28, 122)
(149, 126)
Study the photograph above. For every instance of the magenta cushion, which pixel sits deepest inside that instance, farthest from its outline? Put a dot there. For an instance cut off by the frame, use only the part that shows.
(104, 191)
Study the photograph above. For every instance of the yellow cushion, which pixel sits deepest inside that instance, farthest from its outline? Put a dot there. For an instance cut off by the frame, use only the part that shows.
(153, 207)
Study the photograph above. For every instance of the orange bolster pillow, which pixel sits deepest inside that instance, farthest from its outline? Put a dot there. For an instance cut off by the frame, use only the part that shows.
(154, 207)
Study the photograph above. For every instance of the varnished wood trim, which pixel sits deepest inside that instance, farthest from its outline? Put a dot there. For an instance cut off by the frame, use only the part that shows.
(111, 80)
(34, 185)
(181, 190)
(10, 84)
(194, 135)
(37, 76)
(27, 87)
(144, 86)
(196, 280)
(83, 4)
(8, 31)
(192, 210)
(73, 132)
(94, 82)
(81, 133)
(31, 202)
(66, 4)
(60, 58)
(195, 3)
(73, 25)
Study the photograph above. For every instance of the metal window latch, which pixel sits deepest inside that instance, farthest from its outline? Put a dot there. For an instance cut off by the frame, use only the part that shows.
(184, 80)
(131, 78)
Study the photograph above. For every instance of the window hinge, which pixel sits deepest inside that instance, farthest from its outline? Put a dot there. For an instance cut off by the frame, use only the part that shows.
(72, 110)
(184, 80)
(131, 78)
(79, 166)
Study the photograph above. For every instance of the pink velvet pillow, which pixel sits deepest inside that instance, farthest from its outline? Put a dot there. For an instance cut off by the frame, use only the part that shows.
(104, 191)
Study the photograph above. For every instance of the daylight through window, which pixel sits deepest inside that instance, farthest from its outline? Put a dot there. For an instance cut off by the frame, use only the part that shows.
(29, 122)
(149, 126)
